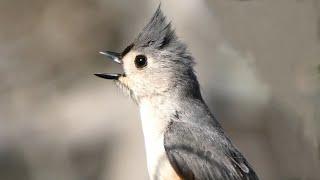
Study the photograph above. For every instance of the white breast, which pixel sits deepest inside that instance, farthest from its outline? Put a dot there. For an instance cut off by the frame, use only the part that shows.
(154, 124)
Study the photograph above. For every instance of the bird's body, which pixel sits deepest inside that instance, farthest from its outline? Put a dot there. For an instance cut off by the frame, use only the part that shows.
(182, 130)
(183, 140)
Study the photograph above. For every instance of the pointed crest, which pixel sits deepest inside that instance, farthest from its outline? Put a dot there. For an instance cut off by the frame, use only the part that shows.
(157, 33)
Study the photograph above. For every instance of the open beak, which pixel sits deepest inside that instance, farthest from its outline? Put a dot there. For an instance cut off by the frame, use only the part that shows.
(116, 57)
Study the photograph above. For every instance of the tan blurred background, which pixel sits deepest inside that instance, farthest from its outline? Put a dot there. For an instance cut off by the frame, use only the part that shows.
(257, 61)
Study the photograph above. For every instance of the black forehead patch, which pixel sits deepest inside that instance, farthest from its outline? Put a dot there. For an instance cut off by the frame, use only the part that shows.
(127, 50)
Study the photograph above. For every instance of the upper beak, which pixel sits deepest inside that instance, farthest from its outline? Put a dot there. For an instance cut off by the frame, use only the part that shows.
(116, 57)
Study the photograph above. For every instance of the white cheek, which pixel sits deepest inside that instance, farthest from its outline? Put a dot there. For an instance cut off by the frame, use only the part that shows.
(144, 82)
(128, 63)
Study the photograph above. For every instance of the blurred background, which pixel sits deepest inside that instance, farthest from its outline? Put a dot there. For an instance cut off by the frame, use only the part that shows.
(258, 62)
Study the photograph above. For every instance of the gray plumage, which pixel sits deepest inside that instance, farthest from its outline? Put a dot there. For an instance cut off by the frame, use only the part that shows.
(194, 141)
(178, 126)
(198, 148)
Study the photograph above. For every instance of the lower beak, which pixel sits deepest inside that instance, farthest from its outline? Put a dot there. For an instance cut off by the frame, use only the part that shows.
(111, 76)
(116, 57)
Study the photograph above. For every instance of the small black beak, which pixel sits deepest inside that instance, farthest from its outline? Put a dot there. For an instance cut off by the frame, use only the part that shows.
(116, 57)
(111, 76)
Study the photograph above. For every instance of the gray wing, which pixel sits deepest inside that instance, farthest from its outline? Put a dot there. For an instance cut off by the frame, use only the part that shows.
(204, 153)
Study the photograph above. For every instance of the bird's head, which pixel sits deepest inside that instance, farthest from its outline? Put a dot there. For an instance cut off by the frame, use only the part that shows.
(157, 63)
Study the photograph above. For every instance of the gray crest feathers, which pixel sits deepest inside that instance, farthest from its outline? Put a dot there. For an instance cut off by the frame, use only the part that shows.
(157, 33)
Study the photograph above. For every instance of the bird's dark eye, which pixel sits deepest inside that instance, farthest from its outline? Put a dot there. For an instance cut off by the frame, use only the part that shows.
(141, 61)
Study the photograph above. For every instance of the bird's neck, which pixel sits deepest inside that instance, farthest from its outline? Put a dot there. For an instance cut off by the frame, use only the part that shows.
(157, 111)
(155, 115)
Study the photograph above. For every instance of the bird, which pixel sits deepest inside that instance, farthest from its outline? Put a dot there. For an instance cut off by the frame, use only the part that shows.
(183, 140)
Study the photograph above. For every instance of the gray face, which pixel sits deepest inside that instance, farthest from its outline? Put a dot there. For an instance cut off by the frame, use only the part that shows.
(156, 63)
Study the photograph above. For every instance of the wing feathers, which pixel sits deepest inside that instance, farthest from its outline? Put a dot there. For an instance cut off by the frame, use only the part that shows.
(203, 153)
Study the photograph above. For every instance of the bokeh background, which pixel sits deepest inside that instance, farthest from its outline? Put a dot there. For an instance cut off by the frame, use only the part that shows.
(257, 61)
